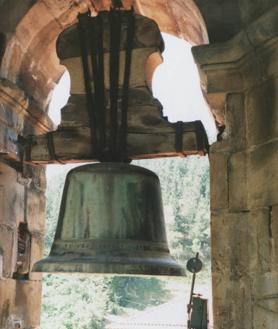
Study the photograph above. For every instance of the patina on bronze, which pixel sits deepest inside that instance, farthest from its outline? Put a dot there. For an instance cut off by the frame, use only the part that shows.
(111, 221)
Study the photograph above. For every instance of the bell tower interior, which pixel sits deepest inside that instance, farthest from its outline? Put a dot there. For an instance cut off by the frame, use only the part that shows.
(235, 49)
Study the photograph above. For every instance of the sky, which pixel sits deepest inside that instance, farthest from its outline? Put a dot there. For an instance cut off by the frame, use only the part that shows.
(175, 84)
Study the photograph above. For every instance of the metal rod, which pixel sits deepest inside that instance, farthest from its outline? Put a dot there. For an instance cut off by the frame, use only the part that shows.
(101, 79)
(94, 33)
(115, 30)
(124, 109)
(83, 20)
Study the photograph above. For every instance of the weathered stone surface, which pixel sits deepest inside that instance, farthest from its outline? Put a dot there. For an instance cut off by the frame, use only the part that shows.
(263, 175)
(240, 46)
(250, 10)
(260, 64)
(12, 197)
(232, 302)
(260, 242)
(219, 180)
(273, 222)
(20, 303)
(265, 290)
(237, 181)
(18, 116)
(8, 245)
(242, 251)
(229, 241)
(235, 131)
(234, 120)
(35, 210)
(243, 243)
(37, 248)
(242, 62)
(262, 112)
(217, 104)
(244, 237)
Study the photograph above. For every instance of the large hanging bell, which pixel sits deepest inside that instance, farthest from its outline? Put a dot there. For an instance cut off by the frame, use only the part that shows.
(111, 221)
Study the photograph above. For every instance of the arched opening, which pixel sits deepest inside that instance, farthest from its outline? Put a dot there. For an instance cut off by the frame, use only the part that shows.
(36, 68)
(30, 57)
(185, 187)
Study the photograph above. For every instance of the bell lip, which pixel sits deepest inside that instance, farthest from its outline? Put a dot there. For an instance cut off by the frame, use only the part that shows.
(115, 166)
(60, 265)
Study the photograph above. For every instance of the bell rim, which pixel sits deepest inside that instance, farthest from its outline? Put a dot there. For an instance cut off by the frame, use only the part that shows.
(86, 266)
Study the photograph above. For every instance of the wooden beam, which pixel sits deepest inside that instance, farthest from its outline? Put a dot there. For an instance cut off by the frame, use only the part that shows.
(74, 145)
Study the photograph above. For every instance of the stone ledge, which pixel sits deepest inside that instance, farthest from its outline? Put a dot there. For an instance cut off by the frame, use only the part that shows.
(257, 33)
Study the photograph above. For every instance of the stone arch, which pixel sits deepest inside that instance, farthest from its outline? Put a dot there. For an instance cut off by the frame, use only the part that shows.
(30, 58)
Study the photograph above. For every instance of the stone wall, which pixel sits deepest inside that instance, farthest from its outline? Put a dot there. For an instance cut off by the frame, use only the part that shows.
(21, 213)
(244, 174)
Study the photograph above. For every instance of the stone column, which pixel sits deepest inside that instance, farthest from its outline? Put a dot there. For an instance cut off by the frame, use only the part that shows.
(242, 81)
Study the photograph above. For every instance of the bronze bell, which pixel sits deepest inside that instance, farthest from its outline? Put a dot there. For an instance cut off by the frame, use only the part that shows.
(111, 221)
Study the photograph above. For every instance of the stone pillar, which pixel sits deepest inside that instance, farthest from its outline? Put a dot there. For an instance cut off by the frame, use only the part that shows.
(242, 78)
(22, 204)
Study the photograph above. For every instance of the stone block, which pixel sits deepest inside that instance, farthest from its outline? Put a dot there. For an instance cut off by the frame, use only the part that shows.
(251, 10)
(242, 243)
(229, 244)
(263, 175)
(37, 248)
(265, 286)
(1, 264)
(262, 112)
(260, 65)
(8, 247)
(265, 291)
(237, 182)
(40, 17)
(235, 121)
(20, 303)
(234, 136)
(7, 297)
(260, 242)
(28, 303)
(223, 80)
(227, 312)
(12, 197)
(274, 232)
(2, 203)
(60, 11)
(35, 210)
(219, 180)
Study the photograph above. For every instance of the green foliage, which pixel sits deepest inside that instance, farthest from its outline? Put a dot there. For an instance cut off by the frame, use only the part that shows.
(185, 192)
(74, 302)
(84, 302)
(138, 293)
